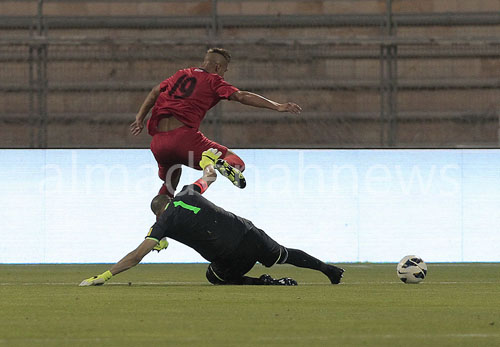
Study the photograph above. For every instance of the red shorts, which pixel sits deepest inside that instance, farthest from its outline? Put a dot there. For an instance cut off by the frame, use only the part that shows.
(184, 146)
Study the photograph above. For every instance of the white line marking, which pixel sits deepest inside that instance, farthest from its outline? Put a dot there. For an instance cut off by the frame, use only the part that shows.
(96, 339)
(274, 338)
(386, 336)
(424, 284)
(107, 284)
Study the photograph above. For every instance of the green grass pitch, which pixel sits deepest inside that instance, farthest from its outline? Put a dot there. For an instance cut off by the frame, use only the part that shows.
(173, 305)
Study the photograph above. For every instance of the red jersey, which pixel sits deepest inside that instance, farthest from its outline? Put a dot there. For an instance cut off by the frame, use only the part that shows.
(187, 96)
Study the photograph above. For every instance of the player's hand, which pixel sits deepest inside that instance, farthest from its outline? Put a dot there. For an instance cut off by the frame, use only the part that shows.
(163, 244)
(289, 107)
(97, 280)
(136, 127)
(209, 157)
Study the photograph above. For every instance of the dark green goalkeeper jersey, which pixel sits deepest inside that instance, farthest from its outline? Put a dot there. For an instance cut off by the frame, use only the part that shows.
(198, 223)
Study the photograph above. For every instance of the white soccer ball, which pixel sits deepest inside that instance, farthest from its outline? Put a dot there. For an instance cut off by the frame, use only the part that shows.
(412, 269)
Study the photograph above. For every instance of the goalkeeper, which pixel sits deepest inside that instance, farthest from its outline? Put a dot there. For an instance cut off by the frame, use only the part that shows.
(231, 243)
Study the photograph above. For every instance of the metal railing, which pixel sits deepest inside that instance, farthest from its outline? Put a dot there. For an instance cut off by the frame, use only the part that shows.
(47, 44)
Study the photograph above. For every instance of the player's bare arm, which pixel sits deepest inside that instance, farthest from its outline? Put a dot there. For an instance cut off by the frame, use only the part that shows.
(256, 100)
(137, 126)
(130, 260)
(134, 257)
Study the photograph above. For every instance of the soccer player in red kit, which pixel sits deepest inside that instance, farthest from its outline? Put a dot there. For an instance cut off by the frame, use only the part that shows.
(179, 105)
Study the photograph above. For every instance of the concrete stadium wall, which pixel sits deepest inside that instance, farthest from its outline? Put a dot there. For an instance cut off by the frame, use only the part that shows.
(109, 112)
(138, 7)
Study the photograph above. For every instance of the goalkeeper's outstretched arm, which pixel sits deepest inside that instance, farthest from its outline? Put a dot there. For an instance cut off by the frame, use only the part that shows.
(134, 257)
(130, 260)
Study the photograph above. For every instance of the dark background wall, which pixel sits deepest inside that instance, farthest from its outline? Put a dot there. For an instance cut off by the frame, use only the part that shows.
(367, 73)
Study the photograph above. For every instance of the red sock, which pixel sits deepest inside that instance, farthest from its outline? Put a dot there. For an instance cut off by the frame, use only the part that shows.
(164, 191)
(174, 180)
(235, 161)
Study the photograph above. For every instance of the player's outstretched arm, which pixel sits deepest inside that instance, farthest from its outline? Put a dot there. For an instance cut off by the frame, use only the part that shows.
(137, 126)
(130, 260)
(252, 99)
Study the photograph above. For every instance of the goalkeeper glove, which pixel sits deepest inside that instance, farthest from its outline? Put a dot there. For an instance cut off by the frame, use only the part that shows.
(161, 245)
(97, 280)
(209, 157)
